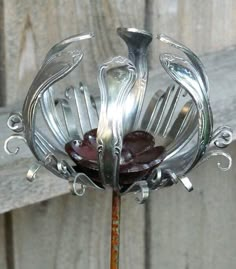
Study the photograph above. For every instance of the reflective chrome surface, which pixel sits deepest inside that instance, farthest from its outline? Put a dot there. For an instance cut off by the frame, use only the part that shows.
(137, 42)
(116, 79)
(178, 117)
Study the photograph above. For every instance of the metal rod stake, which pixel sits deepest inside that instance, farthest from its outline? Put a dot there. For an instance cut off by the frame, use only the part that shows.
(115, 230)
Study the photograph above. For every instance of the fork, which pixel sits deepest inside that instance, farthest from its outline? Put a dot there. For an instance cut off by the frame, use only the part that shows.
(75, 122)
(160, 111)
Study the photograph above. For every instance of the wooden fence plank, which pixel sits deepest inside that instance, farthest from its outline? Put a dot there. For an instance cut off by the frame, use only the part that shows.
(32, 27)
(70, 232)
(196, 230)
(133, 228)
(204, 26)
(45, 235)
(16, 192)
(3, 263)
(2, 56)
(66, 232)
(27, 40)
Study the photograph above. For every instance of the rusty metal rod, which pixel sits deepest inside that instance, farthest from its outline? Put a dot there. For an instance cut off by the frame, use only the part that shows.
(115, 230)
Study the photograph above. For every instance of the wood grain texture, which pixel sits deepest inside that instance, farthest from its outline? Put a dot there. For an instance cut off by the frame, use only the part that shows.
(133, 248)
(16, 192)
(203, 26)
(196, 230)
(32, 27)
(71, 232)
(2, 56)
(64, 232)
(3, 262)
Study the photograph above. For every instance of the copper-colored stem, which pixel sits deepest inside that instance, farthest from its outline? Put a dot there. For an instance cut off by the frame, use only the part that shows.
(115, 230)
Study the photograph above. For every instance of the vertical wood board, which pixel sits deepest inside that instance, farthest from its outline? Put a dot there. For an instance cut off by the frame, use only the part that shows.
(32, 27)
(72, 232)
(196, 230)
(203, 26)
(3, 262)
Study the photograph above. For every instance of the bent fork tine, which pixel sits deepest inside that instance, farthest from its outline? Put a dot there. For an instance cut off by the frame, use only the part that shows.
(184, 128)
(51, 117)
(45, 146)
(151, 111)
(167, 120)
(183, 117)
(68, 117)
(85, 108)
(90, 106)
(160, 115)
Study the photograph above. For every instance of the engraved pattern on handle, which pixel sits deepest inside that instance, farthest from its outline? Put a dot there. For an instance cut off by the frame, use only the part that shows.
(116, 79)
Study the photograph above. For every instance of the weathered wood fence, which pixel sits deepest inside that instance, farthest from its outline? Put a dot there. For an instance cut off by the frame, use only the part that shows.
(175, 229)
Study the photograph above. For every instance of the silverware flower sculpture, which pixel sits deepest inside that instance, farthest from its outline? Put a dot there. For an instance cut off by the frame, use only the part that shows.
(130, 138)
(135, 142)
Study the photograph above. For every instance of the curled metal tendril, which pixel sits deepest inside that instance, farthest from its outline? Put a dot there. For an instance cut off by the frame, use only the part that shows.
(64, 168)
(183, 179)
(143, 194)
(141, 190)
(32, 173)
(222, 136)
(15, 122)
(154, 179)
(186, 183)
(216, 153)
(9, 139)
(77, 188)
(50, 158)
(174, 178)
